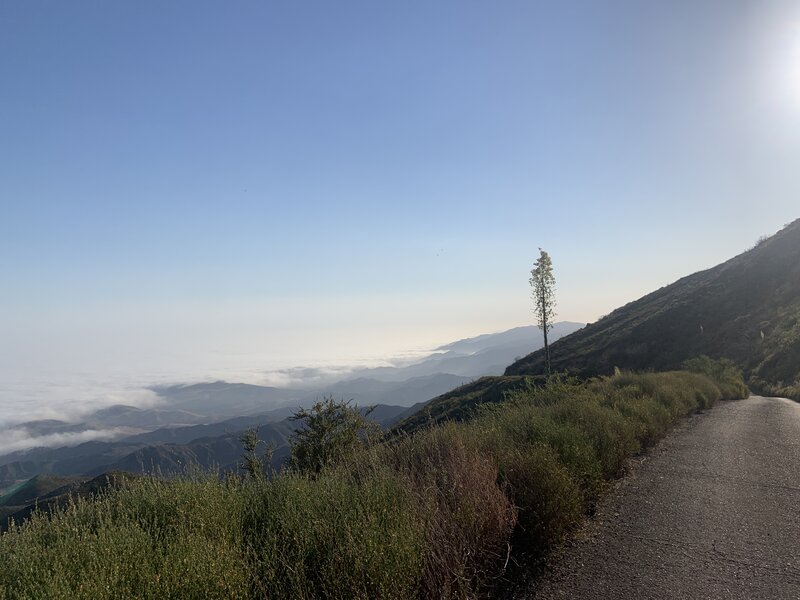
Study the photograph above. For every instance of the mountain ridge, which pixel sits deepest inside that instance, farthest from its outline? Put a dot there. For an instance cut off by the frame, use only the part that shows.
(746, 309)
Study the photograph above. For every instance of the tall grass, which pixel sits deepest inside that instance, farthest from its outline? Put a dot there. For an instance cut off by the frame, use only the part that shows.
(151, 540)
(332, 537)
(466, 515)
(437, 514)
(780, 390)
(723, 372)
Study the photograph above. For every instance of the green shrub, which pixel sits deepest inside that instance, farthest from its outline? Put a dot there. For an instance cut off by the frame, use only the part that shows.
(770, 389)
(333, 537)
(650, 419)
(610, 434)
(547, 498)
(681, 393)
(519, 424)
(331, 432)
(723, 372)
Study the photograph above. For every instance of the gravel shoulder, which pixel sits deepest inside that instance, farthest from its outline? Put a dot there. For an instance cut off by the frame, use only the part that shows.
(713, 511)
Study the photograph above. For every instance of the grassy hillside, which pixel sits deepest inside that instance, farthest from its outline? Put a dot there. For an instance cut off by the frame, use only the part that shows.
(34, 488)
(462, 403)
(43, 494)
(443, 513)
(746, 309)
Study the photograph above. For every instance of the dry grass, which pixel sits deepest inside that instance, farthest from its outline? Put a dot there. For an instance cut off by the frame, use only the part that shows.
(431, 515)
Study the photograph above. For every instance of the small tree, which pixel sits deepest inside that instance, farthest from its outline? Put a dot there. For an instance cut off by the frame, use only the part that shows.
(252, 464)
(333, 432)
(543, 289)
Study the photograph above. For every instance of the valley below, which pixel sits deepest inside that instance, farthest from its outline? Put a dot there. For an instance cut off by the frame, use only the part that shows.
(199, 425)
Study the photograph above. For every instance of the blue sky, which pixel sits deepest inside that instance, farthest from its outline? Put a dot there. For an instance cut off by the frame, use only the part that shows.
(191, 184)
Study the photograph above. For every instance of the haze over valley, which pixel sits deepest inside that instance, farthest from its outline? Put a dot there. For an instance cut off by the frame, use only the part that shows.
(84, 414)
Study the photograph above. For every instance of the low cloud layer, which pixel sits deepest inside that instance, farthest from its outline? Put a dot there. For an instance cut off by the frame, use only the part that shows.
(67, 399)
(20, 438)
(305, 377)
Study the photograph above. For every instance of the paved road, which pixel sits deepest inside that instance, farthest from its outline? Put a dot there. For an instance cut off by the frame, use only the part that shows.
(712, 512)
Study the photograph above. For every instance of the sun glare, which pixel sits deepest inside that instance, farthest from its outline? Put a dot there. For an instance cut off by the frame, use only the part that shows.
(793, 64)
(781, 68)
(791, 68)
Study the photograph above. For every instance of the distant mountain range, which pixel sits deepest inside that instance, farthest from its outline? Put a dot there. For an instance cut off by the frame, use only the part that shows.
(201, 424)
(223, 399)
(487, 354)
(166, 450)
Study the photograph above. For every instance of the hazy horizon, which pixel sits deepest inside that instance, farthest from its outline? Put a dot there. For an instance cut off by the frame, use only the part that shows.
(71, 397)
(66, 394)
(191, 188)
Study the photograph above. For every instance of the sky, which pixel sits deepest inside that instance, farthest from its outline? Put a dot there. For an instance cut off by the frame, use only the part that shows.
(194, 189)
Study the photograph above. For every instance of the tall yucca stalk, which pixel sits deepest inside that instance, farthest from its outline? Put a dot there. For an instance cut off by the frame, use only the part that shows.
(543, 286)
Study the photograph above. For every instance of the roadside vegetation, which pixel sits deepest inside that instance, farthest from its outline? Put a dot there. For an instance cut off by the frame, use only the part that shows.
(444, 512)
(778, 390)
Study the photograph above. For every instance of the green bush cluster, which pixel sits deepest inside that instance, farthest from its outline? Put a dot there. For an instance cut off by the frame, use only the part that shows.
(778, 390)
(332, 431)
(441, 513)
(723, 372)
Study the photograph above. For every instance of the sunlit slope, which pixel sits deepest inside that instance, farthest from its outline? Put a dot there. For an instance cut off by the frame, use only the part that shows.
(746, 309)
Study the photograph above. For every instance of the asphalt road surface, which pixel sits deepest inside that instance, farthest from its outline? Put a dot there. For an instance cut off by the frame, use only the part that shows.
(711, 512)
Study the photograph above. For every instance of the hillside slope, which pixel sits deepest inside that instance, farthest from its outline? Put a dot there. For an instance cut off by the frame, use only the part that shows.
(34, 488)
(460, 404)
(60, 497)
(746, 309)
